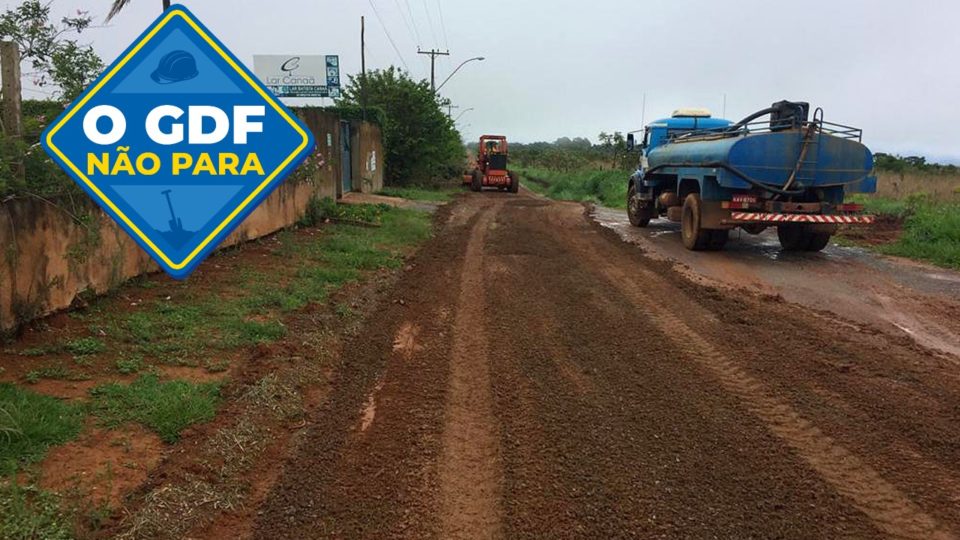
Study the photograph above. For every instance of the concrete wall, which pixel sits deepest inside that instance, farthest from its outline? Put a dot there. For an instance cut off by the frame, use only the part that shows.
(367, 145)
(326, 130)
(53, 251)
(368, 158)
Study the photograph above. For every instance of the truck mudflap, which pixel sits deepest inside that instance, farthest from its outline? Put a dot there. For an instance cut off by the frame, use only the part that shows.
(737, 218)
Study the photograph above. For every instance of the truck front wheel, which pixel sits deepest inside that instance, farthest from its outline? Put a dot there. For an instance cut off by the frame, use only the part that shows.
(695, 237)
(638, 210)
(477, 183)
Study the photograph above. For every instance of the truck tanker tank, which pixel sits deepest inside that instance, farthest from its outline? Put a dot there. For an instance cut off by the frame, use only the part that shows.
(769, 158)
(713, 175)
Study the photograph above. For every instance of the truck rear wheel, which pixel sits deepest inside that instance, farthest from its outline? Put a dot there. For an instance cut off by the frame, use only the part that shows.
(818, 241)
(718, 239)
(477, 183)
(638, 213)
(695, 237)
(793, 237)
(514, 182)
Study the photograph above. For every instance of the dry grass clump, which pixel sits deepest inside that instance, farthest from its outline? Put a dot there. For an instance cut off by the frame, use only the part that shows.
(899, 185)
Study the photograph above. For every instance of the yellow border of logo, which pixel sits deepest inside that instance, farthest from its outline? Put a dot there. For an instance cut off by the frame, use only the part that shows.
(246, 77)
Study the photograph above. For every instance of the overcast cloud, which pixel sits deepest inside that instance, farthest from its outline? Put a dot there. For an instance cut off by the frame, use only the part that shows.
(573, 68)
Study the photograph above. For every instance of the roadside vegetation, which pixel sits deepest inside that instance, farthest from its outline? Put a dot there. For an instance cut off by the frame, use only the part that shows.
(918, 226)
(30, 423)
(30, 512)
(421, 142)
(437, 193)
(918, 209)
(603, 187)
(126, 343)
(166, 407)
(918, 203)
(160, 354)
(63, 66)
(576, 169)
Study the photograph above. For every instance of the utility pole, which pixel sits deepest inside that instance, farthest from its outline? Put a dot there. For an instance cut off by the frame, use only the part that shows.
(433, 53)
(363, 68)
(12, 115)
(450, 108)
(10, 62)
(166, 5)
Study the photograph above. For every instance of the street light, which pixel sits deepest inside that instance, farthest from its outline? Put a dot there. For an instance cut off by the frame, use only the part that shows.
(465, 111)
(465, 62)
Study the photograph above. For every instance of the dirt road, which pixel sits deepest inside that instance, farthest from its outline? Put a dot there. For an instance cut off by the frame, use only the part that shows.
(535, 376)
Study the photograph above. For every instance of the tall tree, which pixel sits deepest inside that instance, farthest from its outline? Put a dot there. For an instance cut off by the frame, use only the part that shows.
(55, 58)
(421, 143)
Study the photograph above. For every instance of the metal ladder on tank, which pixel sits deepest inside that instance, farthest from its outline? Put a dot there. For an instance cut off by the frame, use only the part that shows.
(805, 171)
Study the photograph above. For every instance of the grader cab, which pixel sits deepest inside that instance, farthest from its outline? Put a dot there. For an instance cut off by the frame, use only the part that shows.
(490, 169)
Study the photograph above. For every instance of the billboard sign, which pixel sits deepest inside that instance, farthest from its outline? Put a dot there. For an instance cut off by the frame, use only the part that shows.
(303, 76)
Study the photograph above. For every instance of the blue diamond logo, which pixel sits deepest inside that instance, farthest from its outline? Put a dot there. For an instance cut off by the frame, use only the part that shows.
(178, 141)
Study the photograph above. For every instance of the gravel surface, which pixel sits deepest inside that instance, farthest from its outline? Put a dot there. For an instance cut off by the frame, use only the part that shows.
(532, 375)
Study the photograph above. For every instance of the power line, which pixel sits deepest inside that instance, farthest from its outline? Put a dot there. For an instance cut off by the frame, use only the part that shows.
(413, 21)
(38, 91)
(443, 25)
(411, 30)
(389, 38)
(406, 23)
(433, 32)
(416, 30)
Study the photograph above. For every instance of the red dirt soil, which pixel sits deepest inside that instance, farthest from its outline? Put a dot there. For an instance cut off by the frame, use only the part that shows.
(562, 384)
(102, 465)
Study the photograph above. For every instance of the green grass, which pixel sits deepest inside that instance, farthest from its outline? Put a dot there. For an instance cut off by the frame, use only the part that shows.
(930, 233)
(129, 365)
(250, 308)
(29, 512)
(931, 229)
(186, 329)
(606, 188)
(78, 347)
(320, 210)
(84, 346)
(881, 205)
(30, 423)
(429, 194)
(164, 407)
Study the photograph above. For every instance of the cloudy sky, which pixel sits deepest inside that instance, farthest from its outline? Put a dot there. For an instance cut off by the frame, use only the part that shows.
(573, 68)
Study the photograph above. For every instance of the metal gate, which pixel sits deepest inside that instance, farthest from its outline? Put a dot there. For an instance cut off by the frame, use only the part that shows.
(346, 157)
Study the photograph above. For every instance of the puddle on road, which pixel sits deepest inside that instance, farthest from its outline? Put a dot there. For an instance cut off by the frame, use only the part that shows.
(944, 277)
(851, 282)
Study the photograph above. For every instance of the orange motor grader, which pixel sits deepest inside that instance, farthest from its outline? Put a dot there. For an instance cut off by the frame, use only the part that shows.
(491, 167)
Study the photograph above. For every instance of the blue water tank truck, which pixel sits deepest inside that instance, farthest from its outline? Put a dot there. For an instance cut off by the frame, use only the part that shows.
(788, 171)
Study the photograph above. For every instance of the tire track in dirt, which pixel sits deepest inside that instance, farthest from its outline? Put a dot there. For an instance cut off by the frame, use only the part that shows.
(891, 510)
(470, 475)
(365, 466)
(659, 449)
